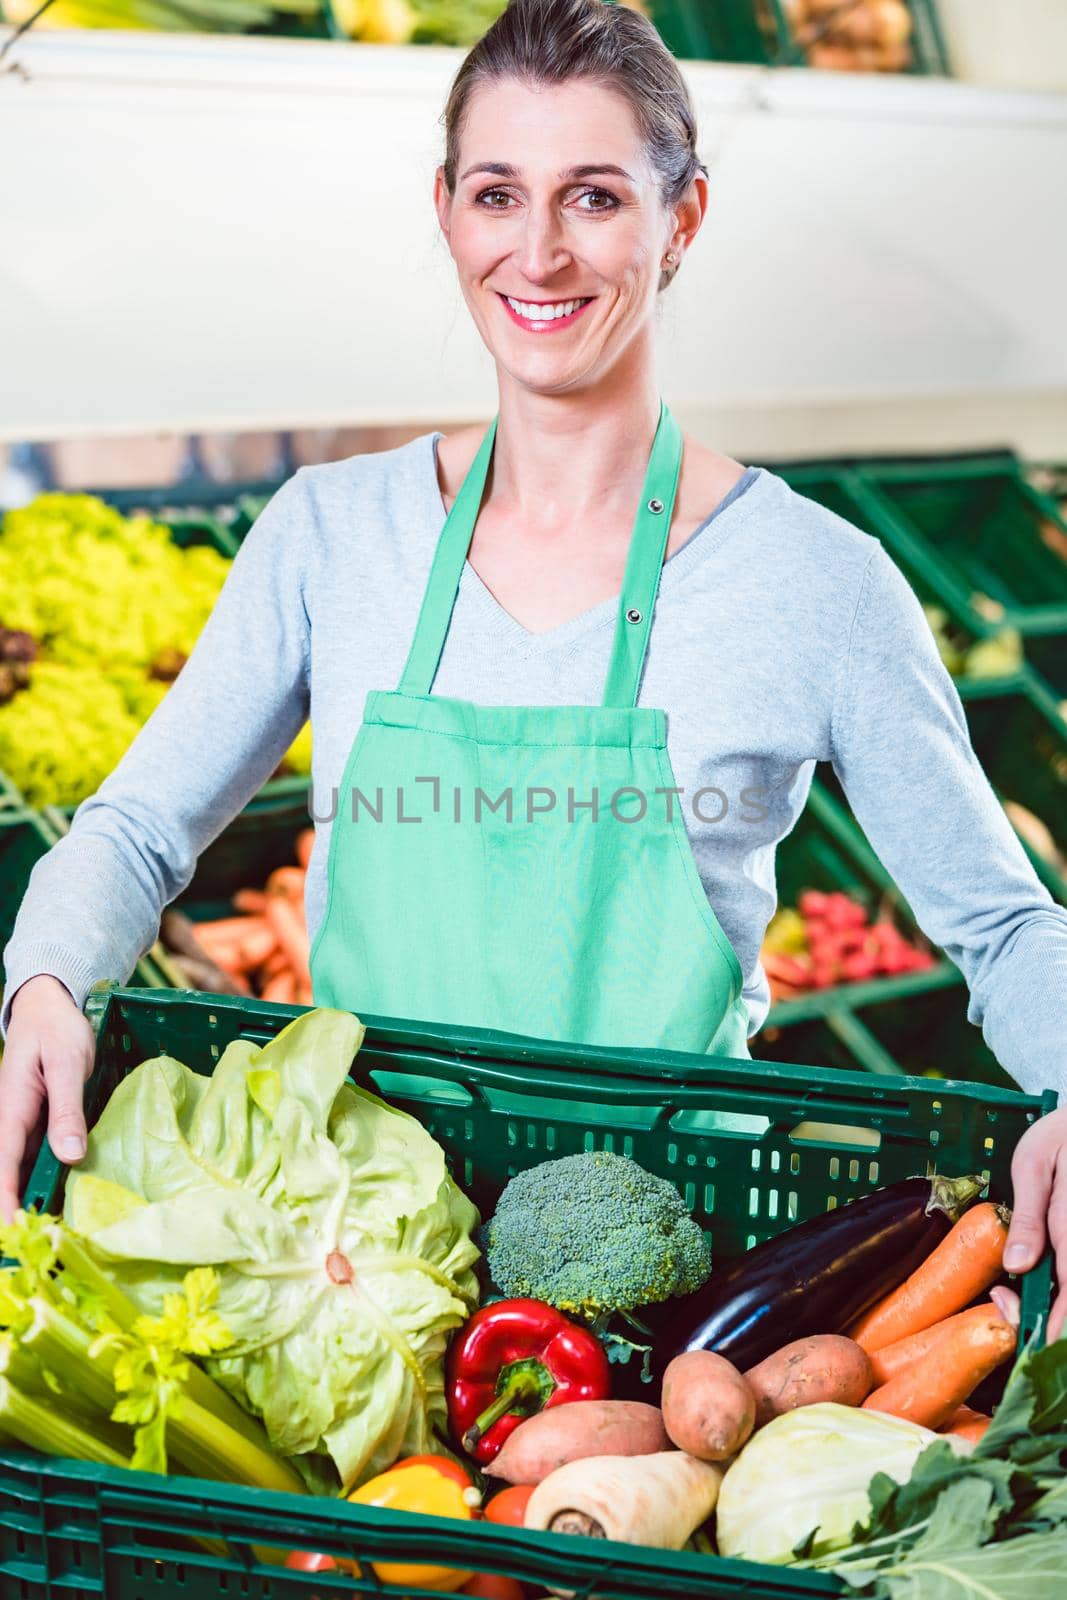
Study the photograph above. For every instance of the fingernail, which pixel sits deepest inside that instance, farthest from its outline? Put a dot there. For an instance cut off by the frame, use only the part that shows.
(1015, 1256)
(71, 1148)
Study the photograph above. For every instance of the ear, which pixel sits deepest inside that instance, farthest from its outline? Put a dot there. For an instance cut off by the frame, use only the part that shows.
(442, 200)
(689, 213)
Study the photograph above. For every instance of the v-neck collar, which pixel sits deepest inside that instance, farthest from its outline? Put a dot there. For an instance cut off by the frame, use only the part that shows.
(497, 624)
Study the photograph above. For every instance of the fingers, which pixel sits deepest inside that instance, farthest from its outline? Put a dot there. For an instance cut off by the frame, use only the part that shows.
(65, 1073)
(21, 1097)
(1031, 1178)
(1007, 1303)
(1057, 1227)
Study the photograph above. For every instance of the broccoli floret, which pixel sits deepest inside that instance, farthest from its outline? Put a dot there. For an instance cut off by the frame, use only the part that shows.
(592, 1234)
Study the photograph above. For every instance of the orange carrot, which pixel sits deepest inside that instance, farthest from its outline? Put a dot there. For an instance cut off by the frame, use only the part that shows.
(289, 926)
(966, 1424)
(258, 943)
(303, 994)
(931, 1390)
(281, 989)
(222, 929)
(288, 881)
(253, 900)
(966, 1262)
(304, 843)
(276, 962)
(225, 954)
(886, 1363)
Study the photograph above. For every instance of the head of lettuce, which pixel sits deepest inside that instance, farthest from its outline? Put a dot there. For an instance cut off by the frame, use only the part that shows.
(342, 1246)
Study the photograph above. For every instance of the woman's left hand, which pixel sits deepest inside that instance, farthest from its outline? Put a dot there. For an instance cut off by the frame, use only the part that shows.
(1039, 1212)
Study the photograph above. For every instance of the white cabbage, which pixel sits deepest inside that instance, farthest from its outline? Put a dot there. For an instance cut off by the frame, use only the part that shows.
(810, 1470)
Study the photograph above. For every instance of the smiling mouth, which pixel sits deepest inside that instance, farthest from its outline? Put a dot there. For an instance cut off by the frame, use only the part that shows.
(545, 316)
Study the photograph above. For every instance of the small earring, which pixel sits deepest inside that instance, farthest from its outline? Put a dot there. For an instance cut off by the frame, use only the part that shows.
(671, 255)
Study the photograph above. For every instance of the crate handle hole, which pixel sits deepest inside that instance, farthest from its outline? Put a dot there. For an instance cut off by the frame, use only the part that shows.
(835, 1133)
(732, 1124)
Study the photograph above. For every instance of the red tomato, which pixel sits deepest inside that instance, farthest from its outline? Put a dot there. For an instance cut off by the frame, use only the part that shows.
(487, 1586)
(509, 1506)
(441, 1464)
(308, 1561)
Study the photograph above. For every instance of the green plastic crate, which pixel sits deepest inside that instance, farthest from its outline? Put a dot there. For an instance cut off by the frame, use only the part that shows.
(24, 838)
(846, 489)
(919, 1035)
(929, 54)
(752, 1148)
(1021, 742)
(756, 31)
(228, 510)
(973, 525)
(826, 850)
(261, 838)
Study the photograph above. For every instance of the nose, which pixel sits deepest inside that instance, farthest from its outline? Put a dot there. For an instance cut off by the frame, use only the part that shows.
(543, 249)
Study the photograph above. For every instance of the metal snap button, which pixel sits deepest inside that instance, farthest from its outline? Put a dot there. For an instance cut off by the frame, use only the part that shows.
(655, 505)
(633, 615)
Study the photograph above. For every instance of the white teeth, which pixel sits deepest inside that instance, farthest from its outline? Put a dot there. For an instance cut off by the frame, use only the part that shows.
(544, 313)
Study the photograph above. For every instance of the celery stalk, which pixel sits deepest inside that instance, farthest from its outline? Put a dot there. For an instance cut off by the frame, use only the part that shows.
(38, 1426)
(199, 1387)
(204, 1443)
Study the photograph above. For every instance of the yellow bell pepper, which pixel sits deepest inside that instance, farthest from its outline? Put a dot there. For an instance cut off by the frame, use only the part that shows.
(431, 1492)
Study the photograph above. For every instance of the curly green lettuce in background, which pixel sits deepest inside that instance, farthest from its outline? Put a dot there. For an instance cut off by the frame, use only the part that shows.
(113, 606)
(342, 1246)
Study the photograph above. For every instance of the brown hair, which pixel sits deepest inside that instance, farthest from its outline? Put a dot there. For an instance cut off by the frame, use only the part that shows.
(551, 41)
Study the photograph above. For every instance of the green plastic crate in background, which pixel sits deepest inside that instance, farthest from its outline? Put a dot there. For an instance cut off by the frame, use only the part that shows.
(919, 1035)
(826, 850)
(1021, 743)
(928, 50)
(844, 488)
(261, 838)
(975, 526)
(195, 511)
(752, 1148)
(24, 838)
(758, 32)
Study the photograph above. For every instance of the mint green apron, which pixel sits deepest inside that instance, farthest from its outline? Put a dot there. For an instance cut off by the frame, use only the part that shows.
(525, 867)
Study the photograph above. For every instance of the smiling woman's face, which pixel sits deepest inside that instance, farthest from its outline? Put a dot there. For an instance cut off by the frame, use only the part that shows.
(545, 236)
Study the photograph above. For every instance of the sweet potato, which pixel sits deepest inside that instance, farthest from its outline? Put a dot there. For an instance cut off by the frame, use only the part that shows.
(826, 1367)
(708, 1408)
(572, 1432)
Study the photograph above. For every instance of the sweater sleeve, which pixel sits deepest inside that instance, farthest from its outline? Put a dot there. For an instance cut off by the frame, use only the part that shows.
(902, 750)
(93, 904)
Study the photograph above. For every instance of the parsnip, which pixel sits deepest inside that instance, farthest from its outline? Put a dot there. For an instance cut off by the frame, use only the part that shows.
(658, 1500)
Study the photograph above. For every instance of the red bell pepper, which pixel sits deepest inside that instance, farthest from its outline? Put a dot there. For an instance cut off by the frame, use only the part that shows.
(514, 1358)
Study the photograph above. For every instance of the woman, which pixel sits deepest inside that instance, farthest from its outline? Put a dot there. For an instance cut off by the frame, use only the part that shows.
(552, 817)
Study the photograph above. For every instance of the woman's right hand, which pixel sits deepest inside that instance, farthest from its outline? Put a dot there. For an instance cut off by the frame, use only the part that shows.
(48, 1055)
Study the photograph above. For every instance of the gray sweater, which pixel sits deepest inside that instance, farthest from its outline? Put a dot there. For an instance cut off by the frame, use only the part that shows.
(782, 636)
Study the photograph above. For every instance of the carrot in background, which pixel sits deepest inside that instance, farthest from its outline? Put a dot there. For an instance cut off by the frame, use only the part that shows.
(288, 881)
(967, 1424)
(289, 926)
(252, 900)
(931, 1390)
(968, 1261)
(281, 989)
(894, 1358)
(305, 842)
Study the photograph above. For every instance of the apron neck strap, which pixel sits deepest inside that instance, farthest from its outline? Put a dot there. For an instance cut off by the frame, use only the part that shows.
(644, 562)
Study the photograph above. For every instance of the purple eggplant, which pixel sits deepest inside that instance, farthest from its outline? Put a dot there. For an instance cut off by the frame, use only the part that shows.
(815, 1278)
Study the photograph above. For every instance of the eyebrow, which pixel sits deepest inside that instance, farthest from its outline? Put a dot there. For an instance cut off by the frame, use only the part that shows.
(501, 169)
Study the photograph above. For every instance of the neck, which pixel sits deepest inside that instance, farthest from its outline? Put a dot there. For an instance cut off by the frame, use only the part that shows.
(559, 459)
